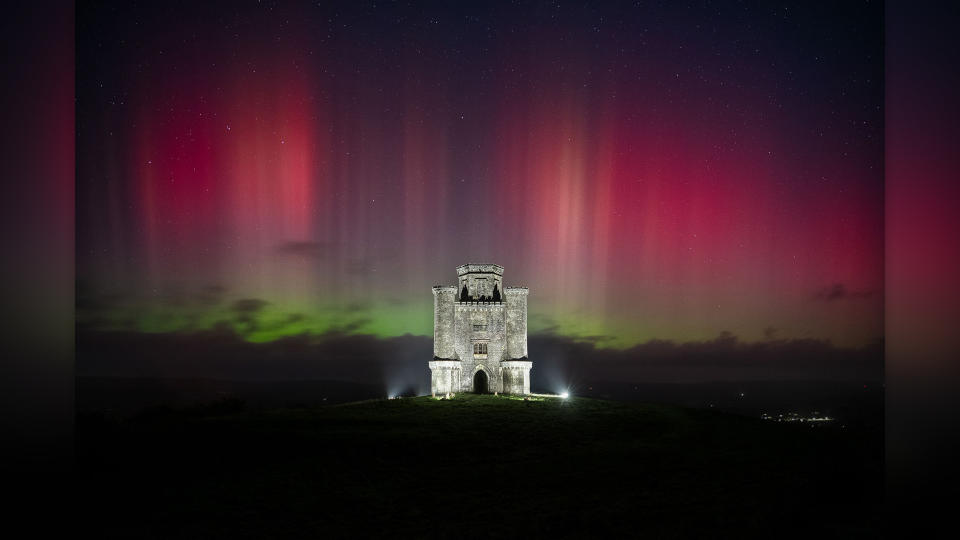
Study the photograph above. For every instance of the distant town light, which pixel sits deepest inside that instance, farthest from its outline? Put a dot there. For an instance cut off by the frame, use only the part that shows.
(816, 417)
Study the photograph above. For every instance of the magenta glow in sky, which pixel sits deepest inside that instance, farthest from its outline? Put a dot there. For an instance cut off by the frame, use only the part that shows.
(650, 173)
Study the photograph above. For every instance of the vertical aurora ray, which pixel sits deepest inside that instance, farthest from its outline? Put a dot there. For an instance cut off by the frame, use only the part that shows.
(282, 171)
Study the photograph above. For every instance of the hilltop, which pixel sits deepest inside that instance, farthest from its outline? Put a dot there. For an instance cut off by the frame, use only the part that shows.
(474, 466)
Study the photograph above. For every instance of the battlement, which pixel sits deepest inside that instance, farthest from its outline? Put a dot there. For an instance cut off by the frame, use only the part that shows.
(479, 268)
(444, 288)
(479, 305)
(516, 290)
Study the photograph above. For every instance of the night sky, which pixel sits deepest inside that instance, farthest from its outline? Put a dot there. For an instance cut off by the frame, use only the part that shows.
(652, 171)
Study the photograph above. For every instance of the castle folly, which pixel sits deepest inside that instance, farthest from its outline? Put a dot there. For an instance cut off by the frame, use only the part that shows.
(480, 334)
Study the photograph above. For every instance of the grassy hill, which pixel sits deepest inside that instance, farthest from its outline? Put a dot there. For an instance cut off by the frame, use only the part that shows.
(475, 466)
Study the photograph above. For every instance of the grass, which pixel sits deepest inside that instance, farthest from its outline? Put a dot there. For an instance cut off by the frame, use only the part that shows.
(474, 466)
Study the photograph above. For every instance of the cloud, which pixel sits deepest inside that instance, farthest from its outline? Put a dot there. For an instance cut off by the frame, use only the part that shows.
(248, 305)
(350, 327)
(356, 307)
(343, 355)
(838, 291)
(590, 339)
(277, 325)
(246, 310)
(724, 358)
(222, 353)
(305, 249)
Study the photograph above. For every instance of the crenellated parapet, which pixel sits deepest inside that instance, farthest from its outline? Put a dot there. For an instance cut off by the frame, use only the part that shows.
(479, 268)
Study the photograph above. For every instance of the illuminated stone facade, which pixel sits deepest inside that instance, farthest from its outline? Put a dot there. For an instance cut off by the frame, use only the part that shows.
(480, 334)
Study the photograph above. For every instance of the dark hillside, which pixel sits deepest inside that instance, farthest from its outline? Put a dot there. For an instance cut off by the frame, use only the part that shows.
(475, 466)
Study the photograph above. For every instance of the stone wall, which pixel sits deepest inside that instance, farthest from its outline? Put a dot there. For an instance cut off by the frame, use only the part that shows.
(492, 333)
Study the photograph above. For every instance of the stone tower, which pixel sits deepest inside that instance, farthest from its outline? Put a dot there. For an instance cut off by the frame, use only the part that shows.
(480, 334)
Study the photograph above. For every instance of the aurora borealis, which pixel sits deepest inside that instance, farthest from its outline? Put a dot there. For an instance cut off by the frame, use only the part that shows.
(656, 172)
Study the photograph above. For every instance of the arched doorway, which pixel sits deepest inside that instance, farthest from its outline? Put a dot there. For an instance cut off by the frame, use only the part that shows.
(480, 382)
